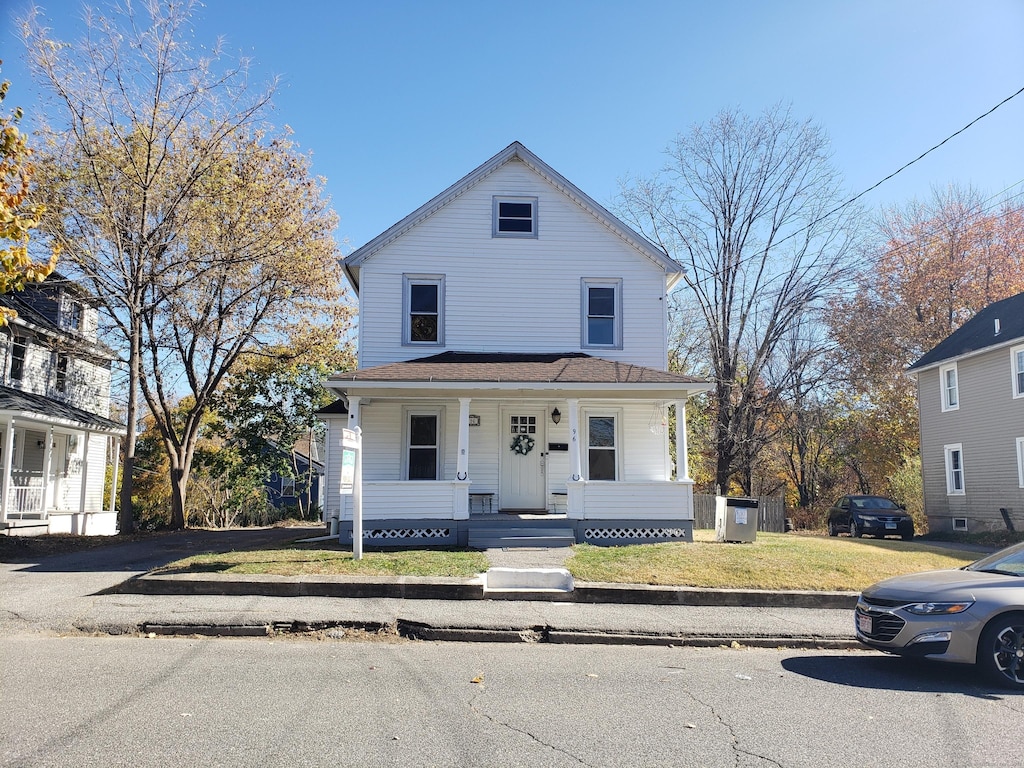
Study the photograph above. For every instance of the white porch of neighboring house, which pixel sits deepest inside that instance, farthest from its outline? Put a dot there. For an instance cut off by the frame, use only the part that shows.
(593, 451)
(53, 469)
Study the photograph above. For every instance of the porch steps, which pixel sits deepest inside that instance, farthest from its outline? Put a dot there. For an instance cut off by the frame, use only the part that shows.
(522, 537)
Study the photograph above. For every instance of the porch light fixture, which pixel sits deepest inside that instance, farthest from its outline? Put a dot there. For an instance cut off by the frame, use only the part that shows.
(556, 416)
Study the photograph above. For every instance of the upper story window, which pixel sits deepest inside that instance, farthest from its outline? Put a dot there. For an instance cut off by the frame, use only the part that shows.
(950, 387)
(602, 313)
(60, 382)
(19, 348)
(514, 217)
(71, 315)
(423, 315)
(1017, 363)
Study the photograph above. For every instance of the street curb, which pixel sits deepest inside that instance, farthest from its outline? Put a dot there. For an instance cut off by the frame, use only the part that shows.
(529, 635)
(418, 588)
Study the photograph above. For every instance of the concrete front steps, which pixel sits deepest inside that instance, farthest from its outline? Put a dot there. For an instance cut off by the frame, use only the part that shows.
(506, 531)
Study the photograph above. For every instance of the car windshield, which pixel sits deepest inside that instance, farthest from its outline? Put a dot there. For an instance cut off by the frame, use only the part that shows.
(874, 502)
(1009, 561)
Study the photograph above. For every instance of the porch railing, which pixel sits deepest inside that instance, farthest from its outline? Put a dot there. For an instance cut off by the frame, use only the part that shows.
(25, 500)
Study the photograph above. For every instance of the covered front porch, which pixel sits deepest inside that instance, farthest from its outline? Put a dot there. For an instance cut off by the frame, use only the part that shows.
(53, 468)
(604, 457)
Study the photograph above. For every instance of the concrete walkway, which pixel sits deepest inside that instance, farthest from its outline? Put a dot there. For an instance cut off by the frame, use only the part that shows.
(108, 590)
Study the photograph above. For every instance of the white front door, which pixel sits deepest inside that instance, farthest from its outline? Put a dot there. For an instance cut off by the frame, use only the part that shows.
(523, 487)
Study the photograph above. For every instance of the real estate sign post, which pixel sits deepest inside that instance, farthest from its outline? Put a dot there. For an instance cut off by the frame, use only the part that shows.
(352, 483)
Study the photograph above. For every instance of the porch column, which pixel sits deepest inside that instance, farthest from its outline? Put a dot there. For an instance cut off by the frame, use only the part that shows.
(114, 445)
(84, 476)
(47, 469)
(682, 453)
(460, 487)
(6, 479)
(357, 490)
(575, 467)
(574, 501)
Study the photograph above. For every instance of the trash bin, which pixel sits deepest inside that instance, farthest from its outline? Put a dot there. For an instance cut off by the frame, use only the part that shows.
(735, 519)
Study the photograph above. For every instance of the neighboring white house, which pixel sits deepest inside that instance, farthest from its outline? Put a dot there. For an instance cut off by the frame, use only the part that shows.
(970, 394)
(55, 434)
(513, 355)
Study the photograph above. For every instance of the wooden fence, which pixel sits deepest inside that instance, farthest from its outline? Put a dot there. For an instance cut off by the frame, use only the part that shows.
(771, 513)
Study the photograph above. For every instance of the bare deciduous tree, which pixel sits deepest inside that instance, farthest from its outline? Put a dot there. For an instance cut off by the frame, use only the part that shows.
(752, 209)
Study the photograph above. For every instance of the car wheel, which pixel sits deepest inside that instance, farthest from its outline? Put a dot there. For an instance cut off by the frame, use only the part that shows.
(908, 537)
(1001, 651)
(854, 530)
(832, 530)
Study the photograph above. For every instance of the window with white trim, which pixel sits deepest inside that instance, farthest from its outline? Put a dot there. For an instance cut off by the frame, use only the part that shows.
(287, 486)
(950, 387)
(422, 444)
(954, 469)
(602, 312)
(19, 348)
(1017, 369)
(423, 310)
(514, 217)
(602, 446)
(1020, 462)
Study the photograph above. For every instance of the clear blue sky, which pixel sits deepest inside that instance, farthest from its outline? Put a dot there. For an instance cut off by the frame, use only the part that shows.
(397, 100)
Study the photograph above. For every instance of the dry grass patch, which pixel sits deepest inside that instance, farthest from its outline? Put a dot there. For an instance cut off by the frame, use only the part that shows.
(773, 561)
(309, 560)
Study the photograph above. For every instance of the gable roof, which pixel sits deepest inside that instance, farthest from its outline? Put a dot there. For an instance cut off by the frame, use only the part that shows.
(979, 333)
(514, 151)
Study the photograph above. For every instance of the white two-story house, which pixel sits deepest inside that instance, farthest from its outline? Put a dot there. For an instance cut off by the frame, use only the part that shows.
(970, 394)
(56, 437)
(513, 359)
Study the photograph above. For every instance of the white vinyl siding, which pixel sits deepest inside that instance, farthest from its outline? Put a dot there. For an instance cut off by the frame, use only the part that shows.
(954, 469)
(510, 294)
(948, 377)
(1017, 370)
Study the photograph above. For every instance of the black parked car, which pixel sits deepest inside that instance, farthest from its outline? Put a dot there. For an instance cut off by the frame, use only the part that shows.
(869, 516)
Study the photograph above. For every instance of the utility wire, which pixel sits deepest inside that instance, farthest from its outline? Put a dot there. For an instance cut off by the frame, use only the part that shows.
(924, 154)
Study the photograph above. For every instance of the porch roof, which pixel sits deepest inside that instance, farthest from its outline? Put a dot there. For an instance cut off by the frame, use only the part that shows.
(519, 371)
(45, 409)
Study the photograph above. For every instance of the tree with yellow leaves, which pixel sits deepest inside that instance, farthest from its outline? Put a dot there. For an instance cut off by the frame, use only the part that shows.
(18, 216)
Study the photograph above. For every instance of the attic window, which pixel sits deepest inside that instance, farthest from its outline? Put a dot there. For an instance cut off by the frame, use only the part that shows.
(514, 217)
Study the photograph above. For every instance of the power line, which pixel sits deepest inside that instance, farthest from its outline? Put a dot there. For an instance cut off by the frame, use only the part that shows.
(924, 154)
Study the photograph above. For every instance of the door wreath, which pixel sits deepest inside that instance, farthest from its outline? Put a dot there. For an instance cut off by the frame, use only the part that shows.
(522, 444)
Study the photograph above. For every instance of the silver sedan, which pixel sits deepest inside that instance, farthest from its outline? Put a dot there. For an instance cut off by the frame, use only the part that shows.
(972, 615)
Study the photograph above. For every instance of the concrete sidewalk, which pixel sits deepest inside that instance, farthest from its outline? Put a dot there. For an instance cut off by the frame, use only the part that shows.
(108, 590)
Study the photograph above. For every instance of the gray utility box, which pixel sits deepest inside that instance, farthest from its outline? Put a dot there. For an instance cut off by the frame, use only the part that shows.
(735, 518)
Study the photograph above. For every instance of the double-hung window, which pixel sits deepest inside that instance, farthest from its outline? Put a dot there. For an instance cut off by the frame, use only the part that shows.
(1017, 368)
(423, 310)
(954, 469)
(602, 313)
(19, 346)
(950, 387)
(423, 444)
(602, 447)
(514, 217)
(60, 383)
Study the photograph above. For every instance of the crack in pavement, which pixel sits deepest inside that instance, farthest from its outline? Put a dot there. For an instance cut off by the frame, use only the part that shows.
(473, 708)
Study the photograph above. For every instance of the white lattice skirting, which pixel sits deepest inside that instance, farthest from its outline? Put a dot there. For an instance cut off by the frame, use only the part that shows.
(635, 533)
(407, 533)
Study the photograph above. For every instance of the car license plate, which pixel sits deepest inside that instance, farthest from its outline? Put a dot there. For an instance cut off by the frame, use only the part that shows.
(864, 623)
(890, 526)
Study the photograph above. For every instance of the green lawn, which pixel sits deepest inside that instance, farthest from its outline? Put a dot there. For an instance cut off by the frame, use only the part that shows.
(773, 561)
